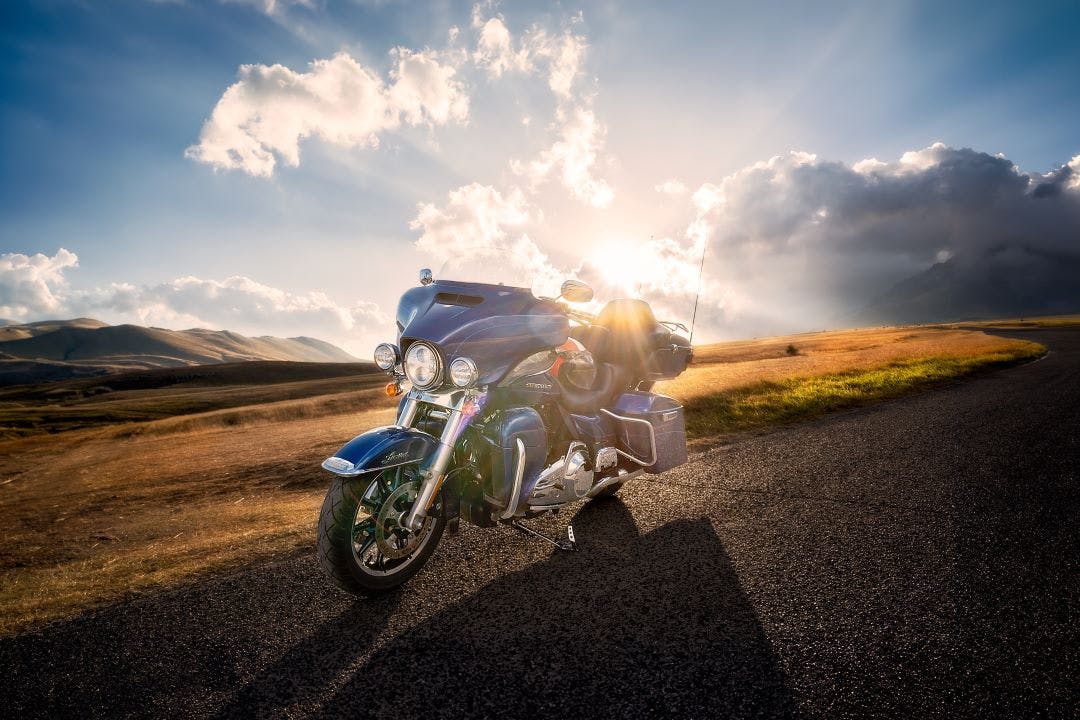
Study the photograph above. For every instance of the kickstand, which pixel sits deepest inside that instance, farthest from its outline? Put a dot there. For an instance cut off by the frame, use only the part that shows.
(570, 544)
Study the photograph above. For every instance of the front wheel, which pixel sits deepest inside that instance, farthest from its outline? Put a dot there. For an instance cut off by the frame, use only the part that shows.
(361, 544)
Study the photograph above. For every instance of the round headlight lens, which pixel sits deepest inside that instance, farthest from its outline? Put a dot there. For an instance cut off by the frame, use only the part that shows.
(463, 372)
(386, 356)
(422, 365)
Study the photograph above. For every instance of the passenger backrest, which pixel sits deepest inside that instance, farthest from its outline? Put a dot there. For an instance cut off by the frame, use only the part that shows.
(633, 332)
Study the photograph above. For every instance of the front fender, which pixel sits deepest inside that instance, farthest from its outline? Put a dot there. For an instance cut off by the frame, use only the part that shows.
(381, 448)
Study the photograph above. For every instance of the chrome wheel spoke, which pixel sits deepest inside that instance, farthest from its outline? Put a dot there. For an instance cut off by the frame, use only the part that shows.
(380, 544)
(364, 527)
(365, 546)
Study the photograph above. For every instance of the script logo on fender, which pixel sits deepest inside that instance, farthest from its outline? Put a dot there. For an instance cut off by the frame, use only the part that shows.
(395, 457)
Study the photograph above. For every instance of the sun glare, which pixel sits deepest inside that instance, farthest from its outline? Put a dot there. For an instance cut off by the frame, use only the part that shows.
(619, 265)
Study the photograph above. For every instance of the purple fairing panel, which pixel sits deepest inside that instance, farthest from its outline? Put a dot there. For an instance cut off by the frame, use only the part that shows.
(494, 325)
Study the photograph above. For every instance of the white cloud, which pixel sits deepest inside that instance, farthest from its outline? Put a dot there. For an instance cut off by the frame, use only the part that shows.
(564, 53)
(483, 229)
(868, 165)
(424, 90)
(574, 154)
(560, 55)
(274, 8)
(918, 160)
(1074, 169)
(33, 285)
(236, 303)
(671, 186)
(475, 220)
(263, 117)
(270, 109)
(573, 158)
(34, 288)
(494, 47)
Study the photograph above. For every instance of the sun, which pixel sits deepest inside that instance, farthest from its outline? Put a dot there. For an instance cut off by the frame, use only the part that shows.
(619, 265)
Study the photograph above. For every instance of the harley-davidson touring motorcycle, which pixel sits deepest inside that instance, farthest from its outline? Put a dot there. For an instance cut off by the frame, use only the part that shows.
(517, 406)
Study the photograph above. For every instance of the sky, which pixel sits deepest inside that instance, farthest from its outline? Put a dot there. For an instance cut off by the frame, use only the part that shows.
(286, 168)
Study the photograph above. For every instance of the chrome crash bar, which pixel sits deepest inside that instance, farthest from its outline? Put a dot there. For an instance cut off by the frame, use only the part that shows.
(652, 438)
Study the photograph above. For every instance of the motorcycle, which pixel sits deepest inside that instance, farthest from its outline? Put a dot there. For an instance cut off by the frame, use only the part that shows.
(518, 405)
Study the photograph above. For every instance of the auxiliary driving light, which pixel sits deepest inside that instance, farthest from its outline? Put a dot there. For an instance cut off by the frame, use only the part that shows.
(463, 372)
(386, 356)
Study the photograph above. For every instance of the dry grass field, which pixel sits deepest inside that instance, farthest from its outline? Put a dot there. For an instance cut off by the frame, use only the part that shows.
(739, 386)
(104, 495)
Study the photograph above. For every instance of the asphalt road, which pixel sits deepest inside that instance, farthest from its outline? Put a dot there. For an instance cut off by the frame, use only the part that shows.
(920, 558)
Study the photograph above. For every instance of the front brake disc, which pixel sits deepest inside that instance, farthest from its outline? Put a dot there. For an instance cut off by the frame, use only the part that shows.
(393, 540)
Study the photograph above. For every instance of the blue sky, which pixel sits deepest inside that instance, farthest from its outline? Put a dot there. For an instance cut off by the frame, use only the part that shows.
(101, 102)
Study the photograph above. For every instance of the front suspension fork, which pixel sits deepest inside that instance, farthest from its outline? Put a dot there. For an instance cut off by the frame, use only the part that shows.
(436, 472)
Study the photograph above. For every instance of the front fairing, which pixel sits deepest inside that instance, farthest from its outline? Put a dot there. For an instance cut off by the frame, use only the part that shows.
(495, 325)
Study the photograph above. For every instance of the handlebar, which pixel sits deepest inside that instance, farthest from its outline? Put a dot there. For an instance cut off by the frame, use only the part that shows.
(580, 316)
(588, 318)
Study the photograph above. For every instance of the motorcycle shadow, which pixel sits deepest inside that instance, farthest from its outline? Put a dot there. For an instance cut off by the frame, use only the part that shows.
(633, 625)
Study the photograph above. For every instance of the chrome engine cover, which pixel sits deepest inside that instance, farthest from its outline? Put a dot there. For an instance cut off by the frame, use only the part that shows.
(606, 458)
(565, 480)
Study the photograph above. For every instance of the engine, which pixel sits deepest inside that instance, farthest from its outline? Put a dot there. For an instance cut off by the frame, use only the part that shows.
(567, 479)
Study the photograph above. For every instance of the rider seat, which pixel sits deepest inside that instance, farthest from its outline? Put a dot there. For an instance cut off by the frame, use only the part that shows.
(629, 345)
(611, 380)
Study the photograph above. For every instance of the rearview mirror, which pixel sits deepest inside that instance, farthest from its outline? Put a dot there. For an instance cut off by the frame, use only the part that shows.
(576, 291)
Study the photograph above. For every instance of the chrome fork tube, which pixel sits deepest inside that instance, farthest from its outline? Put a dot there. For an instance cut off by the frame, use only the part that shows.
(408, 413)
(434, 476)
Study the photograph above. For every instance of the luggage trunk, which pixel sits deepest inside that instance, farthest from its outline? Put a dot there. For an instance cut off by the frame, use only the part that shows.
(642, 412)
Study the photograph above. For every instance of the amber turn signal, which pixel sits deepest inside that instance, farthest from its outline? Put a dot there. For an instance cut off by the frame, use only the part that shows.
(393, 389)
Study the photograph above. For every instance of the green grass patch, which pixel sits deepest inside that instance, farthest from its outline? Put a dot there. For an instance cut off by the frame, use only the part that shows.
(771, 403)
(1054, 321)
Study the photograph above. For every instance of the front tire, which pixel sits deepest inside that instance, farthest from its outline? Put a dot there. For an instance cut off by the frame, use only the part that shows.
(360, 545)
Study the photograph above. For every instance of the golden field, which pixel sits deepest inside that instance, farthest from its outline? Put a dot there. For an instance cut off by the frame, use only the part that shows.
(108, 493)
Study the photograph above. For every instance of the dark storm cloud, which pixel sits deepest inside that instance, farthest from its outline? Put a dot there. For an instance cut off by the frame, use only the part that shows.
(799, 242)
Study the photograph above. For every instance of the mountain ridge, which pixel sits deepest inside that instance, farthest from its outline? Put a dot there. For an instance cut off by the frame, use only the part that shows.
(55, 349)
(1006, 282)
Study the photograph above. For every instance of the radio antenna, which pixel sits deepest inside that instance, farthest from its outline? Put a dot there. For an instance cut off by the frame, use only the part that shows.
(701, 269)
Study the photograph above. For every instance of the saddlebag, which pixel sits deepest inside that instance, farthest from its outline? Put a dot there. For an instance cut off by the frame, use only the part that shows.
(641, 418)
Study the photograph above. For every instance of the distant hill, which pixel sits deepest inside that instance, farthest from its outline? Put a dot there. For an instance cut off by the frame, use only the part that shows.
(249, 373)
(12, 330)
(61, 349)
(1006, 283)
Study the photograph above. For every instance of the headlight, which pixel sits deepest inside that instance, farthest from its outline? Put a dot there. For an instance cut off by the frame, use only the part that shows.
(463, 372)
(386, 356)
(422, 365)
